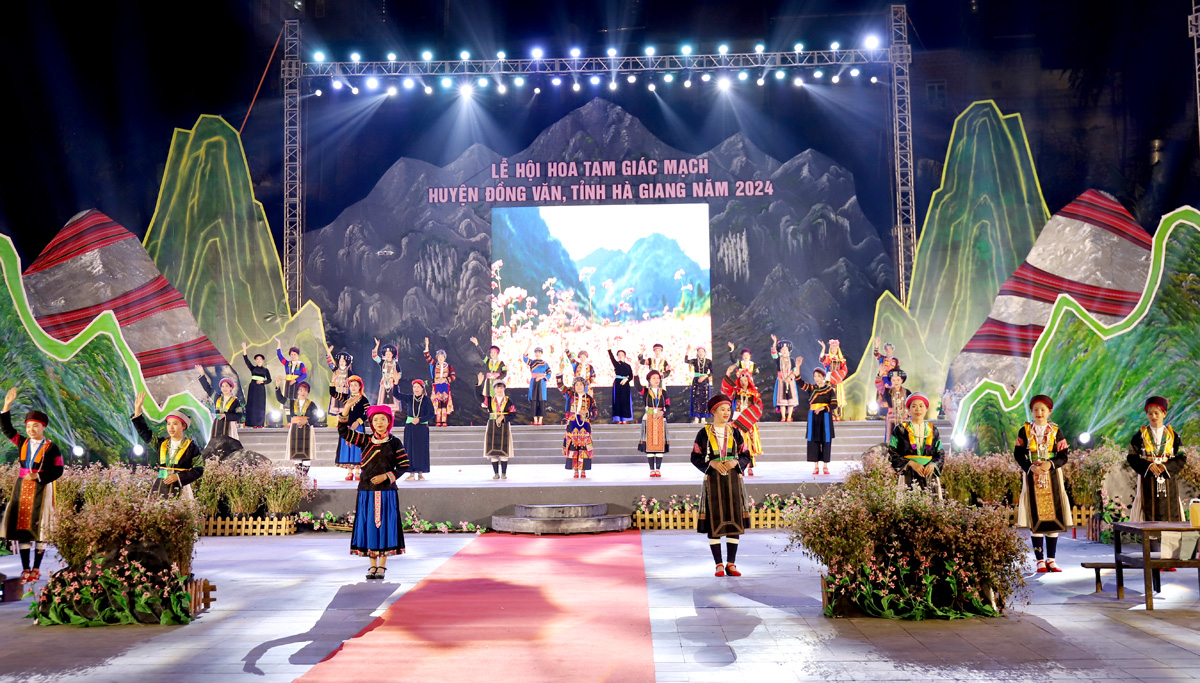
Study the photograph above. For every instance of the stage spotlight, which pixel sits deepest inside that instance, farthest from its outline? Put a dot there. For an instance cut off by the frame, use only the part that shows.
(575, 52)
(797, 81)
(318, 92)
(319, 56)
(466, 90)
(138, 449)
(960, 440)
(686, 50)
(780, 75)
(372, 83)
(501, 88)
(650, 87)
(464, 55)
(723, 49)
(612, 85)
(873, 407)
(482, 82)
(353, 90)
(354, 56)
(650, 52)
(391, 56)
(874, 79)
(427, 55)
(612, 52)
(429, 90)
(537, 53)
(319, 414)
(706, 77)
(391, 91)
(501, 55)
(742, 75)
(723, 84)
(854, 73)
(594, 80)
(407, 83)
(835, 46)
(631, 78)
(556, 81)
(337, 85)
(667, 78)
(761, 81)
(519, 81)
(446, 83)
(575, 87)
(537, 91)
(836, 78)
(77, 451)
(871, 43)
(276, 415)
(687, 83)
(818, 73)
(798, 47)
(759, 48)
(1085, 438)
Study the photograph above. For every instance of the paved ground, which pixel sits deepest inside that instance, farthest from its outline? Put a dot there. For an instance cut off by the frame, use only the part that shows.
(286, 603)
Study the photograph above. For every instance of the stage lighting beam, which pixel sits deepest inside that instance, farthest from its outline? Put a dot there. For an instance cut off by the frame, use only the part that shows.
(686, 50)
(537, 53)
(391, 56)
(871, 42)
(319, 56)
(427, 55)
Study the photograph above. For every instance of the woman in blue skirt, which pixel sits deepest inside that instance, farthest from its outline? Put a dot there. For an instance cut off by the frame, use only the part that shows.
(354, 405)
(377, 519)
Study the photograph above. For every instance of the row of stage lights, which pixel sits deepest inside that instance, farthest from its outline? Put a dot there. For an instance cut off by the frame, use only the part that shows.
(468, 88)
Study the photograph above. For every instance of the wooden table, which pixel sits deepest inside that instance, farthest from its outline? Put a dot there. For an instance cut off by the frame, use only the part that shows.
(1149, 564)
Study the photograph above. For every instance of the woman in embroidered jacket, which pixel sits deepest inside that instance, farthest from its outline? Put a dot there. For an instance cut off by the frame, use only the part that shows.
(294, 370)
(539, 381)
(822, 401)
(786, 371)
(720, 452)
(390, 374)
(354, 409)
(915, 449)
(577, 439)
(497, 371)
(30, 512)
(702, 368)
(497, 438)
(378, 531)
(442, 374)
(1041, 451)
(227, 408)
(1156, 455)
(301, 413)
(177, 459)
(622, 396)
(747, 409)
(342, 364)
(835, 364)
(256, 392)
(419, 410)
(655, 438)
(894, 397)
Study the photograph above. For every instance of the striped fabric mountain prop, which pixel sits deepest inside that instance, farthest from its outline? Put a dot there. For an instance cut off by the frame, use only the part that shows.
(1091, 250)
(93, 265)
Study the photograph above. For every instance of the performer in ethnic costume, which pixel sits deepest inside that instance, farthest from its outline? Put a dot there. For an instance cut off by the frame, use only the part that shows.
(786, 398)
(1041, 451)
(178, 459)
(294, 369)
(742, 361)
(378, 524)
(256, 393)
(354, 412)
(442, 374)
(577, 441)
(390, 374)
(419, 409)
(497, 371)
(655, 362)
(895, 397)
(622, 396)
(30, 512)
(835, 364)
(1156, 455)
(342, 364)
(885, 362)
(747, 409)
(655, 438)
(822, 401)
(720, 452)
(582, 368)
(701, 383)
(497, 438)
(915, 449)
(227, 409)
(539, 378)
(301, 413)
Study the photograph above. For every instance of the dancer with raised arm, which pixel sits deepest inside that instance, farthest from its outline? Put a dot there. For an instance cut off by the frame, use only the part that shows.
(835, 364)
(227, 408)
(176, 458)
(496, 372)
(256, 392)
(294, 369)
(342, 365)
(30, 511)
(622, 394)
(738, 385)
(442, 374)
(389, 367)
(786, 398)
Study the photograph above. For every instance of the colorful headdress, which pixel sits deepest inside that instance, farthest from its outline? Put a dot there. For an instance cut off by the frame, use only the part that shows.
(344, 354)
(782, 343)
(439, 352)
(230, 382)
(178, 415)
(381, 410)
(916, 397)
(389, 347)
(495, 348)
(898, 371)
(356, 378)
(834, 342)
(745, 351)
(37, 416)
(653, 373)
(419, 382)
(1159, 401)
(820, 370)
(295, 350)
(306, 385)
(1041, 398)
(718, 400)
(656, 346)
(537, 349)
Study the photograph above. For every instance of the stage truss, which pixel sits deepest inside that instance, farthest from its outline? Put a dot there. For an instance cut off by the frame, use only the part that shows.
(294, 70)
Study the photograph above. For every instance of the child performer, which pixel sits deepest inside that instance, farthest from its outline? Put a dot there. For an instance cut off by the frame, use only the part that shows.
(301, 413)
(655, 439)
(1041, 451)
(747, 409)
(227, 408)
(179, 462)
(354, 412)
(30, 512)
(294, 370)
(701, 383)
(742, 361)
(655, 362)
(342, 364)
(256, 393)
(886, 362)
(720, 452)
(497, 438)
(390, 374)
(377, 519)
(786, 371)
(1156, 455)
(895, 397)
(577, 441)
(442, 374)
(539, 377)
(835, 364)
(915, 448)
(497, 371)
(822, 401)
(419, 408)
(622, 397)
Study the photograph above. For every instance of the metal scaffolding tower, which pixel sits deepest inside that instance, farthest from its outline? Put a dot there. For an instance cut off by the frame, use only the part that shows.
(293, 182)
(1194, 32)
(902, 152)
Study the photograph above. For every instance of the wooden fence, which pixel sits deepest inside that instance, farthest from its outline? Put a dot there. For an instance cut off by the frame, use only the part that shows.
(250, 526)
(774, 519)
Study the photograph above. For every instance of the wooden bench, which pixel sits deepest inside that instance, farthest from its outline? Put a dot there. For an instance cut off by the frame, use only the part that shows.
(1098, 566)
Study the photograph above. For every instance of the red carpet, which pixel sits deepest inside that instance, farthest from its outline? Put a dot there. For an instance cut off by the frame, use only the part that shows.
(513, 608)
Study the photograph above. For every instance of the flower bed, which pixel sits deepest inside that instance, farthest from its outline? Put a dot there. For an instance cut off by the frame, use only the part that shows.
(681, 513)
(413, 523)
(241, 499)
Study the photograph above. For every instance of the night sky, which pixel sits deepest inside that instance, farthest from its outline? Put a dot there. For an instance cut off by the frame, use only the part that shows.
(97, 89)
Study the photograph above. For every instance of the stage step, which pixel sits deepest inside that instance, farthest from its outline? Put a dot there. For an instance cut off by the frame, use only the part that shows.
(456, 446)
(588, 518)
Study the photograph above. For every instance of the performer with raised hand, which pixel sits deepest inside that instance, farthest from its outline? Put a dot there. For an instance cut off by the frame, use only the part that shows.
(582, 368)
(256, 392)
(442, 374)
(294, 370)
(655, 440)
(822, 401)
(720, 452)
(378, 524)
(835, 364)
(1041, 451)
(390, 374)
(656, 362)
(885, 363)
(354, 410)
(915, 449)
(743, 360)
(30, 512)
(227, 408)
(622, 395)
(418, 408)
(738, 385)
(176, 458)
(701, 389)
(497, 371)
(786, 398)
(342, 365)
